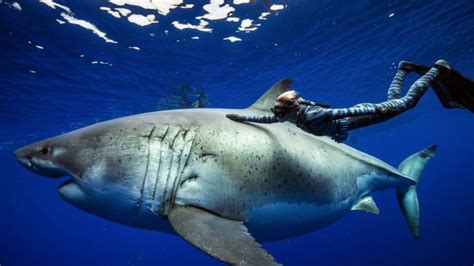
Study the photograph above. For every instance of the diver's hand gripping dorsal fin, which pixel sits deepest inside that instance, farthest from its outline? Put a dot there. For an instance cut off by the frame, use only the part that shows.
(267, 100)
(221, 238)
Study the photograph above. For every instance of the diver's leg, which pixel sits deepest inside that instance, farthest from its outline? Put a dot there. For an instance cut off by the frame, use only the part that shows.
(393, 107)
(394, 102)
(395, 88)
(414, 94)
(404, 67)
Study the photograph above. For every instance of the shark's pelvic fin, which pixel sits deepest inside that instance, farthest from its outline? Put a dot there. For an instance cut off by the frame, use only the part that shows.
(366, 204)
(267, 100)
(407, 198)
(221, 238)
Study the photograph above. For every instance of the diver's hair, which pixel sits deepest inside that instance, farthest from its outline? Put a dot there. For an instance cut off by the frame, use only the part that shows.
(288, 98)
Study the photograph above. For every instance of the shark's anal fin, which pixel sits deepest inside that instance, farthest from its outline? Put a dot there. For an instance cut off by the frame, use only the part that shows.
(221, 238)
(267, 100)
(366, 204)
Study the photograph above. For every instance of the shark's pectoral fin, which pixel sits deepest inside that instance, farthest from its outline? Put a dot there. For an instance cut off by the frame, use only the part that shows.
(366, 204)
(224, 239)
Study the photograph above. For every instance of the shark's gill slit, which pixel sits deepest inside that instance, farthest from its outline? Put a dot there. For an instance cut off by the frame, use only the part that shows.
(149, 137)
(160, 160)
(170, 154)
(189, 137)
(177, 160)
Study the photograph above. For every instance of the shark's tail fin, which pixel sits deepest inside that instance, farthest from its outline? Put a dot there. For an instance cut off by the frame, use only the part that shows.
(407, 198)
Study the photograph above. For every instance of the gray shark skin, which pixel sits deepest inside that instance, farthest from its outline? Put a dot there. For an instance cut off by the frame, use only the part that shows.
(152, 170)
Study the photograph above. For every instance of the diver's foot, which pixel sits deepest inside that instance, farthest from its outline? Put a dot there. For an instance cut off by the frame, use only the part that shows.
(443, 65)
(405, 66)
(408, 66)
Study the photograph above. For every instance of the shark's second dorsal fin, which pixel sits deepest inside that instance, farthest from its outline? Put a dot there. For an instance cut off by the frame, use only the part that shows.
(267, 100)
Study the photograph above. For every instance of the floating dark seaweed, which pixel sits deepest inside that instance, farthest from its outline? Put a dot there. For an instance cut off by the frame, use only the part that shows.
(183, 96)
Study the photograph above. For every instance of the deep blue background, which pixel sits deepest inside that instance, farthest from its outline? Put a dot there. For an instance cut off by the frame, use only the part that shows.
(339, 52)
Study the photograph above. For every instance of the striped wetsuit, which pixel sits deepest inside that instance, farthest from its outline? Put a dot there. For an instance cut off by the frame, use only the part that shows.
(336, 122)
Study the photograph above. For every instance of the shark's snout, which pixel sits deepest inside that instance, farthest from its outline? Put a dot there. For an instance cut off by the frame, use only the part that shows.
(38, 158)
(23, 156)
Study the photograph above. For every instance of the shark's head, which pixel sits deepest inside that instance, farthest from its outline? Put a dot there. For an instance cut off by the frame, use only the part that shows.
(42, 158)
(106, 163)
(62, 156)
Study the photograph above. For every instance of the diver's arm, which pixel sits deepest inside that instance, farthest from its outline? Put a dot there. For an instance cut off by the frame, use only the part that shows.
(267, 119)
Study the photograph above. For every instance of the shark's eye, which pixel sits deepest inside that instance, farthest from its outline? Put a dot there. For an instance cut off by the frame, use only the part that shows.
(44, 150)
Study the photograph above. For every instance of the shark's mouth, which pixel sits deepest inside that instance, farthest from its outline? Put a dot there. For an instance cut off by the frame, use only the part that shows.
(66, 182)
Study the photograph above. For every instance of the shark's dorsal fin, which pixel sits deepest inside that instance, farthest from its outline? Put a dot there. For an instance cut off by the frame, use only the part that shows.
(366, 204)
(267, 100)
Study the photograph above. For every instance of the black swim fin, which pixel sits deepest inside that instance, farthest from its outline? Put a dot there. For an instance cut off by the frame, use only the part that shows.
(453, 89)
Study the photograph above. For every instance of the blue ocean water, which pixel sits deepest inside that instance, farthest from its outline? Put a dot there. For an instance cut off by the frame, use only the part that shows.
(57, 76)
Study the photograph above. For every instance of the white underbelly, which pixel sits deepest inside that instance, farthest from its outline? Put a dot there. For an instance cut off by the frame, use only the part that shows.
(284, 220)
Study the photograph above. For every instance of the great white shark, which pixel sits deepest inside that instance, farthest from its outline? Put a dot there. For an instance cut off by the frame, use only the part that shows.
(219, 184)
